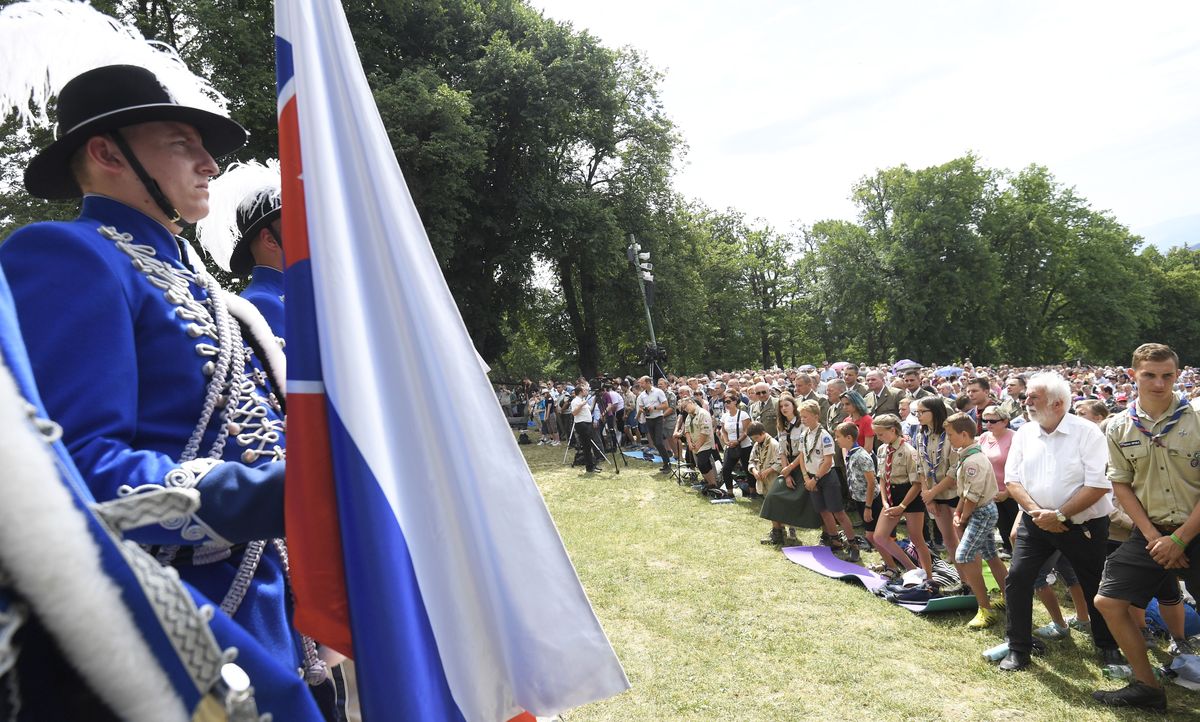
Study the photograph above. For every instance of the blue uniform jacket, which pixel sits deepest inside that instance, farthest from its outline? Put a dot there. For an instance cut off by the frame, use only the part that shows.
(120, 360)
(265, 291)
(48, 688)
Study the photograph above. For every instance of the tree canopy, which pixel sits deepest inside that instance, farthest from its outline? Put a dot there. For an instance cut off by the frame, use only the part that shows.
(533, 151)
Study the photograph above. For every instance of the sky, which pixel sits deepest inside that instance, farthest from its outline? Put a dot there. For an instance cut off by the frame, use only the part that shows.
(785, 105)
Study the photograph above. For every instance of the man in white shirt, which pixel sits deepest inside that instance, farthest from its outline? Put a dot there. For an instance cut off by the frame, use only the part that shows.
(1055, 472)
(581, 412)
(651, 405)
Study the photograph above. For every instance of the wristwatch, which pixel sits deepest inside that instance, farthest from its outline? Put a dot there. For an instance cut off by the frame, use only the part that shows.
(1062, 518)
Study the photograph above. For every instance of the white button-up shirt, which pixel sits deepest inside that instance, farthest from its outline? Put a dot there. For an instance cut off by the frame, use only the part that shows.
(1052, 467)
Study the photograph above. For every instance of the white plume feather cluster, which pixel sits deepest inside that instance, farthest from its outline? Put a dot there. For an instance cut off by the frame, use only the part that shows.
(235, 189)
(46, 43)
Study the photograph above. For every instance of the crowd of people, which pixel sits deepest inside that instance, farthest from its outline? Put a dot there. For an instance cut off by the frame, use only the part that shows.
(1085, 475)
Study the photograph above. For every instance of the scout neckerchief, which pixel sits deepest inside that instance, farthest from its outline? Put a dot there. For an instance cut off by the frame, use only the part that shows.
(969, 451)
(930, 463)
(788, 433)
(1156, 439)
(815, 434)
(887, 474)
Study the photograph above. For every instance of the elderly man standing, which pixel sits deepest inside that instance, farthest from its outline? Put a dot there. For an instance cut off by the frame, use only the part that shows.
(764, 408)
(1055, 471)
(651, 405)
(882, 400)
(1153, 451)
(806, 391)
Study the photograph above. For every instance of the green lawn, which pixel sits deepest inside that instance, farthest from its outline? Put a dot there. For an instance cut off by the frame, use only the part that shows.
(711, 625)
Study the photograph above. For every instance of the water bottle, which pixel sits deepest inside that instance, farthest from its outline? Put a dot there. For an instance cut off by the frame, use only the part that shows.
(997, 653)
(721, 501)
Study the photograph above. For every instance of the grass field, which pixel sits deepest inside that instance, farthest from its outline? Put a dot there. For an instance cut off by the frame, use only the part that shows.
(711, 625)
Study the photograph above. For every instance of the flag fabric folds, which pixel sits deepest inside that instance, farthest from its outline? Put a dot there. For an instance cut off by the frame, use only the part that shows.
(420, 544)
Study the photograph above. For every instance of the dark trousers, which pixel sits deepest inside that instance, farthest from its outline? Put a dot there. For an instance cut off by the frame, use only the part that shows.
(1008, 516)
(586, 436)
(655, 426)
(1034, 546)
(734, 455)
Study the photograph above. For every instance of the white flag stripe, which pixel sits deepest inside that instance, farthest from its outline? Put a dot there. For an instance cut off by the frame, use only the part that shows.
(513, 626)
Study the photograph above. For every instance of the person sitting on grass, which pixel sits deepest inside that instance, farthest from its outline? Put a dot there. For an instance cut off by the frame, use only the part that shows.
(822, 484)
(787, 501)
(897, 470)
(765, 464)
(860, 478)
(975, 516)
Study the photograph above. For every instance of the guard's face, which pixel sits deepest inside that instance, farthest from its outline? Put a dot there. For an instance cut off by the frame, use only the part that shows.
(174, 155)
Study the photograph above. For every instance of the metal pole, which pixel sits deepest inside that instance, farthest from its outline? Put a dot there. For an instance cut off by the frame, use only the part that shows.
(642, 285)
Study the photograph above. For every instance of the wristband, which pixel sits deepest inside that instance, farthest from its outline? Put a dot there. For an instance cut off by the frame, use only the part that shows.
(1178, 541)
(903, 507)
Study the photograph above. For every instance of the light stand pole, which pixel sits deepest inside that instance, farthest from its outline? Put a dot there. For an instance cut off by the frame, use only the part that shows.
(641, 261)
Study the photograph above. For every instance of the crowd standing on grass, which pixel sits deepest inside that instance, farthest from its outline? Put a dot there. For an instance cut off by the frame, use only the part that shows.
(1088, 476)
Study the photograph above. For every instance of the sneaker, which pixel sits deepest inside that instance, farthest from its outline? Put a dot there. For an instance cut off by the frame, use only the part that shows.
(1180, 646)
(1079, 625)
(791, 534)
(1006, 556)
(998, 604)
(1135, 694)
(1149, 637)
(1053, 631)
(541, 442)
(556, 443)
(862, 544)
(984, 618)
(775, 538)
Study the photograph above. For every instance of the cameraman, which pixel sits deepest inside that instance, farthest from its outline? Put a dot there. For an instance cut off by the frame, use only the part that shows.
(581, 412)
(651, 404)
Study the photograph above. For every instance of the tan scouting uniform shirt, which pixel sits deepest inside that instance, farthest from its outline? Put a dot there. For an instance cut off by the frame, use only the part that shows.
(1165, 479)
(975, 476)
(765, 456)
(942, 466)
(905, 468)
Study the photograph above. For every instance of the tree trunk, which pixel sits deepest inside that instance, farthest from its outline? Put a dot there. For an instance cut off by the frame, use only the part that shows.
(581, 316)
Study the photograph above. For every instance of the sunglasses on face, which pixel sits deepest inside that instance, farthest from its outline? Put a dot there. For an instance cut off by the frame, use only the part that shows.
(991, 421)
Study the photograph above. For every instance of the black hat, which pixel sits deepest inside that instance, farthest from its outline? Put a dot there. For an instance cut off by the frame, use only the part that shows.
(253, 216)
(109, 98)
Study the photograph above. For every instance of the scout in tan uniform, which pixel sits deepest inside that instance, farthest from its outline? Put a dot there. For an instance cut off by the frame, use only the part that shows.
(765, 464)
(898, 473)
(975, 516)
(1154, 467)
(938, 461)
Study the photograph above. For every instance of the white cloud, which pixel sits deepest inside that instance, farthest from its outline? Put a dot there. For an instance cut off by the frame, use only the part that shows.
(785, 105)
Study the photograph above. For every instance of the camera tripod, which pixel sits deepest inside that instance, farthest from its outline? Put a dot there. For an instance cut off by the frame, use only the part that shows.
(599, 450)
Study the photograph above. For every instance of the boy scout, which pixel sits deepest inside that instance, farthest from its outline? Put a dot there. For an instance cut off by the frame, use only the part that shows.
(1154, 465)
(975, 516)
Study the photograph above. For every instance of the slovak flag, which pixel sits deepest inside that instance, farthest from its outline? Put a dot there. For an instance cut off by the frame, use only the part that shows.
(419, 544)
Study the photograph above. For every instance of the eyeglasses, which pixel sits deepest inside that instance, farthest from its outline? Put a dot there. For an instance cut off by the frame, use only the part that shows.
(924, 411)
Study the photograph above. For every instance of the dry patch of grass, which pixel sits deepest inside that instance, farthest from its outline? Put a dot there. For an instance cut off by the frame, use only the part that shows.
(711, 625)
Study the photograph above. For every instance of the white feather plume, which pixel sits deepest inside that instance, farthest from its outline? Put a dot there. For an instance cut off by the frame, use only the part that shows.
(46, 43)
(235, 189)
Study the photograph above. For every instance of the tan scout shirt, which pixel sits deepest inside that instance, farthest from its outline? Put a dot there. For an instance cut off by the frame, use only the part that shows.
(1165, 479)
(765, 456)
(935, 466)
(905, 468)
(975, 476)
(700, 428)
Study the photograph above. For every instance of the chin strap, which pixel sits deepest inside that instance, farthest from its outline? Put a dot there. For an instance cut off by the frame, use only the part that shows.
(151, 185)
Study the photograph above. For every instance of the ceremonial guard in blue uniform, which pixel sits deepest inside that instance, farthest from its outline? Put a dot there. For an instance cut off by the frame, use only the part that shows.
(242, 233)
(92, 628)
(141, 357)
